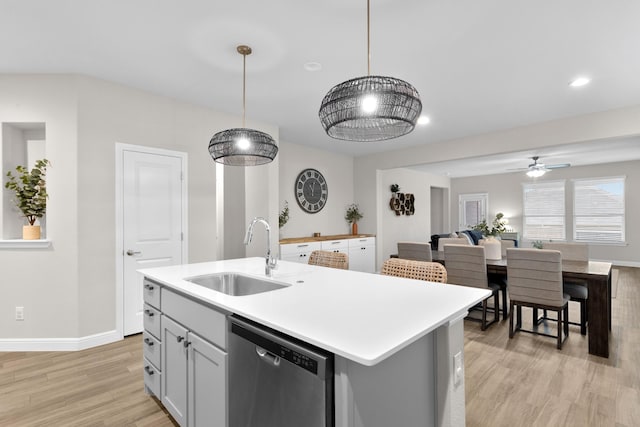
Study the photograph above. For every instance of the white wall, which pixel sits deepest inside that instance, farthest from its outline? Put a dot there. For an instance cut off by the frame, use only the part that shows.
(607, 124)
(505, 195)
(392, 228)
(338, 171)
(68, 291)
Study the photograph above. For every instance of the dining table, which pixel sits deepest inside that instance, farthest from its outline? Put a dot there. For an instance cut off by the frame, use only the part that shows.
(597, 277)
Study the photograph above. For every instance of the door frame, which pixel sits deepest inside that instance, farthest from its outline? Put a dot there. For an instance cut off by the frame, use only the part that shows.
(120, 149)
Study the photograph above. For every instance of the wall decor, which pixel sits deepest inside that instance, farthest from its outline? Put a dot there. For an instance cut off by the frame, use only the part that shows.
(311, 191)
(403, 204)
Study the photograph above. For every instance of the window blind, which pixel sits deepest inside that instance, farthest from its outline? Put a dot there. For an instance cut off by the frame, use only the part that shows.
(599, 210)
(544, 211)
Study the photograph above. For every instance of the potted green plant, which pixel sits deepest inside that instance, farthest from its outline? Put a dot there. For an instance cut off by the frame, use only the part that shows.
(30, 193)
(497, 227)
(283, 218)
(352, 216)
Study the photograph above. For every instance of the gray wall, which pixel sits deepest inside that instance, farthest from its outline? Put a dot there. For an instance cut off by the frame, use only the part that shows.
(505, 195)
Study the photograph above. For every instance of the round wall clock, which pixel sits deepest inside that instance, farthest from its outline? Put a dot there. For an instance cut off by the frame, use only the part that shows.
(311, 190)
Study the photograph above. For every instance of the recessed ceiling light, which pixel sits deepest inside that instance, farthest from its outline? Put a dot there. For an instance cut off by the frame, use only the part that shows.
(312, 66)
(580, 81)
(424, 120)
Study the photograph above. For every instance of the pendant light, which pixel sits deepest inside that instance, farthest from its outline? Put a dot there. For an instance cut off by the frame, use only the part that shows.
(242, 146)
(370, 108)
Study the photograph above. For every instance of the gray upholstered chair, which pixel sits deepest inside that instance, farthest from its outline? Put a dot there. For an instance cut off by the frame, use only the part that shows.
(329, 259)
(413, 269)
(467, 265)
(418, 251)
(576, 289)
(535, 280)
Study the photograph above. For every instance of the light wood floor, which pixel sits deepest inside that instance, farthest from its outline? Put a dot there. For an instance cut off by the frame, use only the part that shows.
(520, 382)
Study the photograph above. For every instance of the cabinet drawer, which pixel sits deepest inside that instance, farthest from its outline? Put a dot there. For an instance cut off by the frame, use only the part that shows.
(296, 248)
(152, 378)
(335, 245)
(205, 320)
(151, 348)
(151, 292)
(151, 320)
(364, 241)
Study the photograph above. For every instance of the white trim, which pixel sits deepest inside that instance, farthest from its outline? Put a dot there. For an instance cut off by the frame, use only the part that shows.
(120, 148)
(24, 244)
(59, 344)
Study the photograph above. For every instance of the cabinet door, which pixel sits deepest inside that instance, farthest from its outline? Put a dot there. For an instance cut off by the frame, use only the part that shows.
(207, 380)
(362, 259)
(174, 369)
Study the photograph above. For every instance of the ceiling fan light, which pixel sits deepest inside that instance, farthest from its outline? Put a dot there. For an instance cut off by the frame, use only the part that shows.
(536, 172)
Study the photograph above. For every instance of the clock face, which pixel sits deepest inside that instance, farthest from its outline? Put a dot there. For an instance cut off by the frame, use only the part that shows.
(311, 190)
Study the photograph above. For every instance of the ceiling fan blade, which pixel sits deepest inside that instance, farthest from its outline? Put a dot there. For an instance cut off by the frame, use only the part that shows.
(558, 166)
(518, 169)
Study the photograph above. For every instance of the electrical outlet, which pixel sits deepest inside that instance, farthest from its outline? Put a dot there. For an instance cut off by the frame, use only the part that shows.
(19, 313)
(458, 369)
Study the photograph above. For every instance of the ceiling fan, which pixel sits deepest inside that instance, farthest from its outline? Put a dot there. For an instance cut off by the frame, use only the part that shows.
(536, 170)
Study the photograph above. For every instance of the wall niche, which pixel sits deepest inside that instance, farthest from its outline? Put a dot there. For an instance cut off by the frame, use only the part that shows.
(22, 143)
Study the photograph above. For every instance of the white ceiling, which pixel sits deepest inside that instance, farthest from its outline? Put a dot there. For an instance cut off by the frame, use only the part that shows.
(480, 66)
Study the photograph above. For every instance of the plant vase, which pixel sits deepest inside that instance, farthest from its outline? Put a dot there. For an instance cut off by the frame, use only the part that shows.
(31, 232)
(492, 248)
(354, 228)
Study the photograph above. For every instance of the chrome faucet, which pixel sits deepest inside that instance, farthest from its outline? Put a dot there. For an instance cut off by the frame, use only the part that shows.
(270, 263)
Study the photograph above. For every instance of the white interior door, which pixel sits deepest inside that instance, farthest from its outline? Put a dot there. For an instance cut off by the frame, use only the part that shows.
(152, 196)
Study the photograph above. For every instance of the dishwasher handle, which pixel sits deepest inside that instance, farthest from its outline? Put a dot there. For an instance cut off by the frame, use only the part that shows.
(268, 357)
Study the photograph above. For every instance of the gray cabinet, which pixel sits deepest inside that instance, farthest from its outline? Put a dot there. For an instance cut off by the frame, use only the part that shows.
(194, 380)
(185, 362)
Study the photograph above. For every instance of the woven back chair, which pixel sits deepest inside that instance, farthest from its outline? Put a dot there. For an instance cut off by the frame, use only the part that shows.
(467, 266)
(329, 259)
(418, 251)
(412, 269)
(535, 280)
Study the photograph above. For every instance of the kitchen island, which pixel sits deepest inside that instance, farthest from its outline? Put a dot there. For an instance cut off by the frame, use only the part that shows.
(398, 343)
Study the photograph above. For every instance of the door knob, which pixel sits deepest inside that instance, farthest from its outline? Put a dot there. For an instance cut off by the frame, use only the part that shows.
(132, 253)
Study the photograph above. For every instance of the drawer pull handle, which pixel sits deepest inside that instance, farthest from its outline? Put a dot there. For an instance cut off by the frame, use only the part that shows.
(179, 338)
(149, 313)
(148, 286)
(148, 342)
(302, 246)
(149, 370)
(186, 344)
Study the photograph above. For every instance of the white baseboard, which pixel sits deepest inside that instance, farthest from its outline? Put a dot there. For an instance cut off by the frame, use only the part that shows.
(59, 344)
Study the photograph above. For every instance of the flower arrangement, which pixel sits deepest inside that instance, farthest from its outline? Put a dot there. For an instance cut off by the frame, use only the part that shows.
(353, 214)
(395, 188)
(498, 226)
(283, 217)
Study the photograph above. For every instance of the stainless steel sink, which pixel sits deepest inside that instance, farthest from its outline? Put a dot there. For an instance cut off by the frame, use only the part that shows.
(235, 284)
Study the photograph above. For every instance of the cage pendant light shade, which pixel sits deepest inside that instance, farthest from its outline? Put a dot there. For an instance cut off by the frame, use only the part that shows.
(243, 146)
(371, 108)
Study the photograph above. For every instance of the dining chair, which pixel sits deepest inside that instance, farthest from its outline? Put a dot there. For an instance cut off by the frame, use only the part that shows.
(451, 241)
(535, 280)
(576, 289)
(413, 269)
(418, 251)
(329, 259)
(467, 266)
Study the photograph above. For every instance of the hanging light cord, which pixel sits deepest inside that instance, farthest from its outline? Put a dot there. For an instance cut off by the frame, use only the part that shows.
(244, 85)
(368, 39)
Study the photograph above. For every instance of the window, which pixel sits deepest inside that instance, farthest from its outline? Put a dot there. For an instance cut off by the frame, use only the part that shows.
(598, 210)
(473, 209)
(544, 211)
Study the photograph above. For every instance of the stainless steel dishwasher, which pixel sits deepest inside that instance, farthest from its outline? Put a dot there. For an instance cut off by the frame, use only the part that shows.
(276, 380)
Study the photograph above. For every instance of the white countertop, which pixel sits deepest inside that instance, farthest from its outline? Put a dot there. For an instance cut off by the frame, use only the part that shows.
(360, 316)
